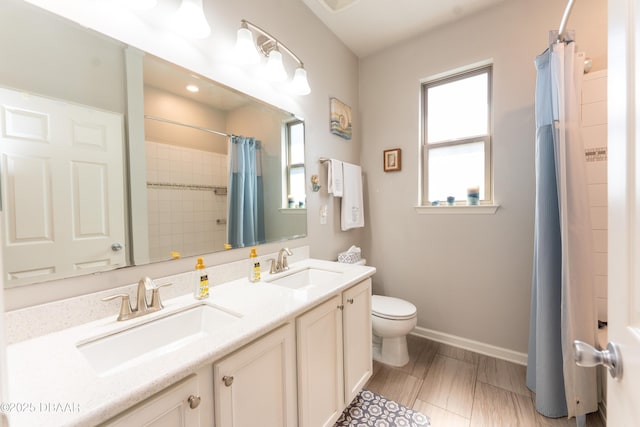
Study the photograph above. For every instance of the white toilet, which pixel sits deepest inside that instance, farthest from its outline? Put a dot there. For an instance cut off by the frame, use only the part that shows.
(392, 319)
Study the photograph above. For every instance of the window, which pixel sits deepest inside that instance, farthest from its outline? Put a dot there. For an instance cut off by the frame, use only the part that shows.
(457, 136)
(296, 197)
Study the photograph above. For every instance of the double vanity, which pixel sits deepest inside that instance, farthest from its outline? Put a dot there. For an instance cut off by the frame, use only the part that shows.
(293, 349)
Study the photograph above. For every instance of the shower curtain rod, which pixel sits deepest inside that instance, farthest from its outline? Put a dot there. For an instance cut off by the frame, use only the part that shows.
(160, 119)
(565, 18)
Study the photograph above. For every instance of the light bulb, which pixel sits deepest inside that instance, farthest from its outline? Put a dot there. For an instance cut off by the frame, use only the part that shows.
(246, 52)
(190, 20)
(274, 69)
(299, 84)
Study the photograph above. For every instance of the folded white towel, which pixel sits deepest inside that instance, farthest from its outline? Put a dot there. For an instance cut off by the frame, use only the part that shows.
(335, 179)
(352, 210)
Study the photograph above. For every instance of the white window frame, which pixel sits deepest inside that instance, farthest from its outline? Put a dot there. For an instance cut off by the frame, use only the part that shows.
(487, 201)
(287, 161)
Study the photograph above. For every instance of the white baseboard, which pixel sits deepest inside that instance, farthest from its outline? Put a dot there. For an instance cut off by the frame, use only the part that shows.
(475, 346)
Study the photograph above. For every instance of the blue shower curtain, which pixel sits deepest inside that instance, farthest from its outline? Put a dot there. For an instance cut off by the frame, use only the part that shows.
(562, 294)
(245, 225)
(544, 364)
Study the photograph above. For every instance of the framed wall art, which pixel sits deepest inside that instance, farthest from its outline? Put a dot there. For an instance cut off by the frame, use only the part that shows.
(392, 160)
(340, 118)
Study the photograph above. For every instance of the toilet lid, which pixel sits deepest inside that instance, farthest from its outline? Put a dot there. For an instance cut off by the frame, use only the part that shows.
(392, 308)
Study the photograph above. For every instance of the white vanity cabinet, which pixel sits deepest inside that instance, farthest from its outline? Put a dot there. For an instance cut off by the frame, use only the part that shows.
(256, 385)
(334, 355)
(188, 403)
(356, 329)
(320, 382)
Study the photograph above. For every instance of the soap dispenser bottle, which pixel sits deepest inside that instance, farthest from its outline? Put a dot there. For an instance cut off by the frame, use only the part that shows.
(254, 266)
(201, 281)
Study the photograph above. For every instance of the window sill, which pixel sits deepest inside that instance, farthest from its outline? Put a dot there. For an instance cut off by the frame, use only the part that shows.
(457, 210)
(293, 211)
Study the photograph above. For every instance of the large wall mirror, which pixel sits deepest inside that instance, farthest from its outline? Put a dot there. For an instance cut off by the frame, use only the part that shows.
(88, 185)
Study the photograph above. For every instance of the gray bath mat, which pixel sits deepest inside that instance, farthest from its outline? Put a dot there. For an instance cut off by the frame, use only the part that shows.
(371, 409)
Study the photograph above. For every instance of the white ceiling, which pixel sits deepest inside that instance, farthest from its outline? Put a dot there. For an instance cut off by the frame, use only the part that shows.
(173, 79)
(367, 26)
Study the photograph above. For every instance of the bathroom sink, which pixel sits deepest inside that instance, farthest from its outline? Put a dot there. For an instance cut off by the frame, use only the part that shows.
(128, 347)
(304, 278)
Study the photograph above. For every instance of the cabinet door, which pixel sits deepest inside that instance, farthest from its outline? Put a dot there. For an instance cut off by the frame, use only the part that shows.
(169, 408)
(320, 382)
(358, 363)
(256, 386)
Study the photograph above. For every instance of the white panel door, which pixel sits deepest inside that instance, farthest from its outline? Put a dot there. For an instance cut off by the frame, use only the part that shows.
(62, 188)
(356, 321)
(623, 394)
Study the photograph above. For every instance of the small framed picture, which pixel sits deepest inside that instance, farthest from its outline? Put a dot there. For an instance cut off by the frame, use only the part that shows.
(392, 160)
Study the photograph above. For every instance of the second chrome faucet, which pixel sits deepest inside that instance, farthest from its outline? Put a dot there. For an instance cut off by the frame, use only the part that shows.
(143, 306)
(281, 264)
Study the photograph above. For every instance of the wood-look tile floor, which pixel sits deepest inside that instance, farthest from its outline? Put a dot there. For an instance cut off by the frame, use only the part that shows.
(456, 387)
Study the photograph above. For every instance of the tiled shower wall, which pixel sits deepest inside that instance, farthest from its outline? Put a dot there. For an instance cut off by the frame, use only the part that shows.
(185, 214)
(594, 138)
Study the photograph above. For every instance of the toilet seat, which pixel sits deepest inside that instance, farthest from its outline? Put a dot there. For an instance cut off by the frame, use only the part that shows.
(392, 308)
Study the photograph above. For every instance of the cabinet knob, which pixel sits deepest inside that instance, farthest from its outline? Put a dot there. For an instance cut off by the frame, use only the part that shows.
(350, 300)
(228, 380)
(194, 401)
(341, 307)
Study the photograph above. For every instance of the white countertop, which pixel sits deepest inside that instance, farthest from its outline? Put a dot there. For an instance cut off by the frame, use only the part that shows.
(49, 372)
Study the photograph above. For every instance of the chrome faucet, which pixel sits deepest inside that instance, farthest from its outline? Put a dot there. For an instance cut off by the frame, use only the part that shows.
(281, 264)
(142, 305)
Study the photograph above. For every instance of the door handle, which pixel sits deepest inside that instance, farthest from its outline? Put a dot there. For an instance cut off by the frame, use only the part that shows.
(585, 355)
(115, 247)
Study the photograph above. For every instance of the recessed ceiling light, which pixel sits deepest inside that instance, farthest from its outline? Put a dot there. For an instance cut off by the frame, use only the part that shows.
(337, 5)
(193, 88)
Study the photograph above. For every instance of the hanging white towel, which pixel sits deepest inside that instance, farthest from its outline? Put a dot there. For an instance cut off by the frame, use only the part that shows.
(352, 212)
(335, 180)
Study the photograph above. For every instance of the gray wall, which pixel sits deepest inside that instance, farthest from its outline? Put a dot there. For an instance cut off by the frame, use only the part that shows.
(468, 275)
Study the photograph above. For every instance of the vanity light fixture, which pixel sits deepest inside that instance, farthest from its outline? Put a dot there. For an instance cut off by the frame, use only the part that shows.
(247, 52)
(190, 20)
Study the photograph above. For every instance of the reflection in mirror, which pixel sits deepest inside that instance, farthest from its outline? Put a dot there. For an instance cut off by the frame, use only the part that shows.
(62, 108)
(193, 207)
(91, 208)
